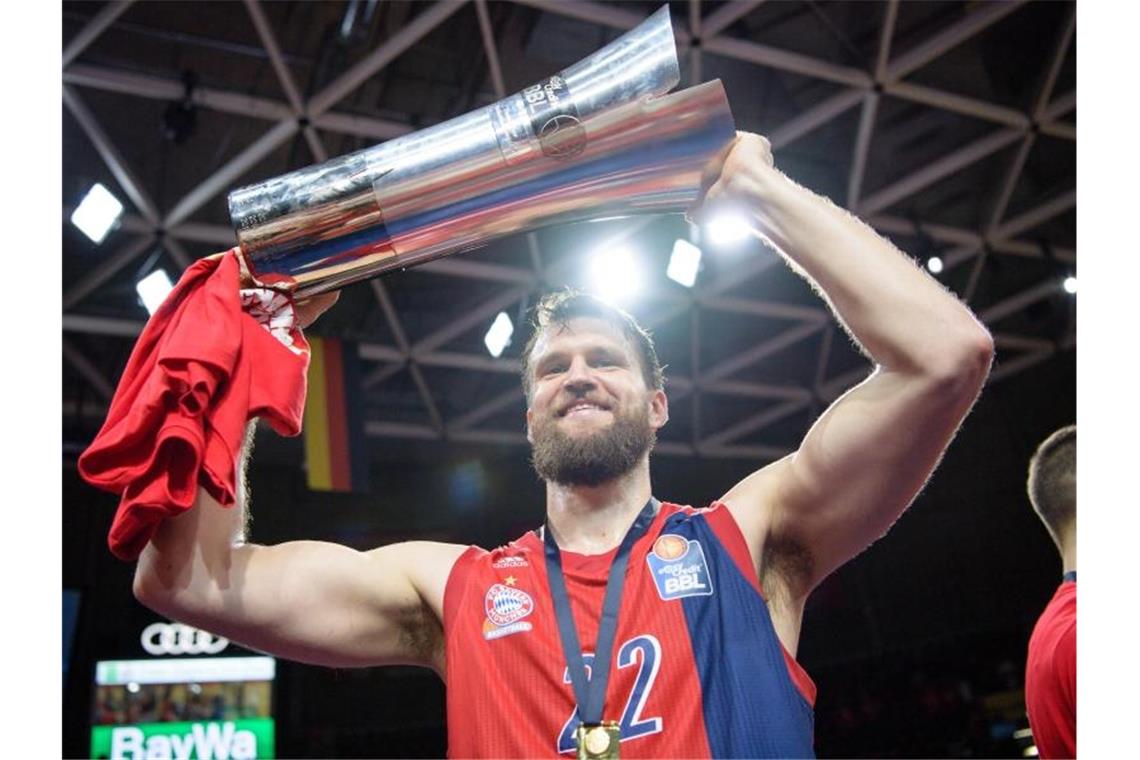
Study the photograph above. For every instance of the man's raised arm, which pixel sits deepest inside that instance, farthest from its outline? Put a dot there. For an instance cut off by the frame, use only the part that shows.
(866, 458)
(310, 601)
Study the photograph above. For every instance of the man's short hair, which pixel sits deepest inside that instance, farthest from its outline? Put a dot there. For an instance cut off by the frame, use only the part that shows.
(1053, 480)
(562, 306)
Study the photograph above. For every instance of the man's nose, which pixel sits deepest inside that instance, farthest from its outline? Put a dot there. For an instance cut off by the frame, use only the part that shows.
(579, 376)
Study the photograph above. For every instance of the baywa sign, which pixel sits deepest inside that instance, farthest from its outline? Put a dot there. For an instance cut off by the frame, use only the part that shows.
(176, 638)
(228, 740)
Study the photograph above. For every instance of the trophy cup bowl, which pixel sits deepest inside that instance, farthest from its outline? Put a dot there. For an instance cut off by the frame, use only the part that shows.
(600, 138)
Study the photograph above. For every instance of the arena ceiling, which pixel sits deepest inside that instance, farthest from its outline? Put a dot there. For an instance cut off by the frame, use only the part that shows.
(950, 126)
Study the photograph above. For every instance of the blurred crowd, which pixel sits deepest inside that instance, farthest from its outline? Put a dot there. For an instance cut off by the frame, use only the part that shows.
(959, 700)
(164, 703)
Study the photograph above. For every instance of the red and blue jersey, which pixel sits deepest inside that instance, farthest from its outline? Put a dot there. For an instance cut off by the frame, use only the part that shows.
(697, 668)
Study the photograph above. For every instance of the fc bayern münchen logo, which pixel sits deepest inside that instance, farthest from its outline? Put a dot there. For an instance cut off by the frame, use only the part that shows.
(504, 605)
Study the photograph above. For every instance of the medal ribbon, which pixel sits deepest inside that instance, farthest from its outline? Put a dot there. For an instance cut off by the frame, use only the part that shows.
(591, 693)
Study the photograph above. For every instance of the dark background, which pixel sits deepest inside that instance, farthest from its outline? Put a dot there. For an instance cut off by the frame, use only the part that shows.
(917, 646)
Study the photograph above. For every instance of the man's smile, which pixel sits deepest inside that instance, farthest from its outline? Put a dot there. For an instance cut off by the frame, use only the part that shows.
(582, 408)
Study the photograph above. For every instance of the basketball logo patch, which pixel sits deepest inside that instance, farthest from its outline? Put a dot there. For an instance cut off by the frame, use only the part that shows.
(505, 608)
(678, 567)
(670, 546)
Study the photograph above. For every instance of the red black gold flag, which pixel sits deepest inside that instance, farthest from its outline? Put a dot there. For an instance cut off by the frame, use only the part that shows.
(334, 420)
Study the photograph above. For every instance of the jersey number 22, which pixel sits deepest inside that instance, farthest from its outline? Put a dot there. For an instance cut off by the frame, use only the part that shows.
(633, 725)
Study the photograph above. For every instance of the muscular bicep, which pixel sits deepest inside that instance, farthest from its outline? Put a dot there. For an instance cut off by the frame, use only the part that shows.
(331, 605)
(859, 466)
(312, 601)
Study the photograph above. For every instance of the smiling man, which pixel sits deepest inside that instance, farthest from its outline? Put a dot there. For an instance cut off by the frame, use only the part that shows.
(626, 625)
(607, 429)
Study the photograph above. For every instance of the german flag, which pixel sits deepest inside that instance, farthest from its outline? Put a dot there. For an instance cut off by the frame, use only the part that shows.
(334, 429)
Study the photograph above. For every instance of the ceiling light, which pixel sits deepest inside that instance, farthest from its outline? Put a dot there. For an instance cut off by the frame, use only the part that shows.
(684, 263)
(934, 264)
(727, 227)
(153, 289)
(97, 213)
(1070, 284)
(499, 336)
(615, 274)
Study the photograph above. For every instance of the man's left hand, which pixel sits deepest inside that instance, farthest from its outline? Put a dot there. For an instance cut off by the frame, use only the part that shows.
(737, 175)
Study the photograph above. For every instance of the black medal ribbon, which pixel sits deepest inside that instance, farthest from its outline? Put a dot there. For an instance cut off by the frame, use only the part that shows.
(591, 693)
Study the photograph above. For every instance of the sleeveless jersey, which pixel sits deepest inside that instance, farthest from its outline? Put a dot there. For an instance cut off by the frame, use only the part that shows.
(697, 669)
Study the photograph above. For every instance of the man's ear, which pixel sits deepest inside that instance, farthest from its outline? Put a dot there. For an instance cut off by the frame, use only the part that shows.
(658, 409)
(529, 416)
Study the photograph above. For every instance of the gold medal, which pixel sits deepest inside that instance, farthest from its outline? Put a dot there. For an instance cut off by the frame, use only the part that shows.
(597, 742)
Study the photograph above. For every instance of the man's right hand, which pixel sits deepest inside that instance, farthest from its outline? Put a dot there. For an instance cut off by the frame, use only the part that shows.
(307, 310)
(313, 307)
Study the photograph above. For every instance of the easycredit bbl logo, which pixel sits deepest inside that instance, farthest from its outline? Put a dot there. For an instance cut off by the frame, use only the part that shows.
(203, 740)
(678, 567)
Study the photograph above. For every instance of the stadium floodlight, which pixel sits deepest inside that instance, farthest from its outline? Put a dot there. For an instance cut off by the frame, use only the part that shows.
(1070, 285)
(684, 263)
(615, 274)
(97, 213)
(499, 336)
(153, 289)
(934, 264)
(727, 227)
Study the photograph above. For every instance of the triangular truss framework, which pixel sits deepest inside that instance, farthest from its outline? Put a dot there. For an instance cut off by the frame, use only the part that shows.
(700, 35)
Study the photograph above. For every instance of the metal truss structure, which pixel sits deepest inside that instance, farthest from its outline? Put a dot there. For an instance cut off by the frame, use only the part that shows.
(949, 127)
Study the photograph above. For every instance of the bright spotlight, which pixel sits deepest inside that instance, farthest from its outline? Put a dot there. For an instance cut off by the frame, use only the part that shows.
(615, 274)
(499, 336)
(684, 263)
(934, 264)
(727, 227)
(153, 289)
(97, 213)
(1070, 284)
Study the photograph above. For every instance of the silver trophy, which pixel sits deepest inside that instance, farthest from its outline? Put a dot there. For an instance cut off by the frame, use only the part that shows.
(600, 138)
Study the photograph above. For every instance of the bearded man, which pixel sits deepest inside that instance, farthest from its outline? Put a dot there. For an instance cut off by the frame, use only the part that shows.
(625, 624)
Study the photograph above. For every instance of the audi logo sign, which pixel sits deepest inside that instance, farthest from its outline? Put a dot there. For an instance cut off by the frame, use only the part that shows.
(176, 638)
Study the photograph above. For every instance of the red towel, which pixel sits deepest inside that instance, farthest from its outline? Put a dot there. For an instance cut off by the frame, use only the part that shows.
(201, 369)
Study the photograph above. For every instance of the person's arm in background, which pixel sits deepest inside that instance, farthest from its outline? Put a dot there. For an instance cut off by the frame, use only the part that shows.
(866, 458)
(310, 601)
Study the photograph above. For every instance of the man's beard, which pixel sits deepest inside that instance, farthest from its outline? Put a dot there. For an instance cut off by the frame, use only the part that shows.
(591, 459)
